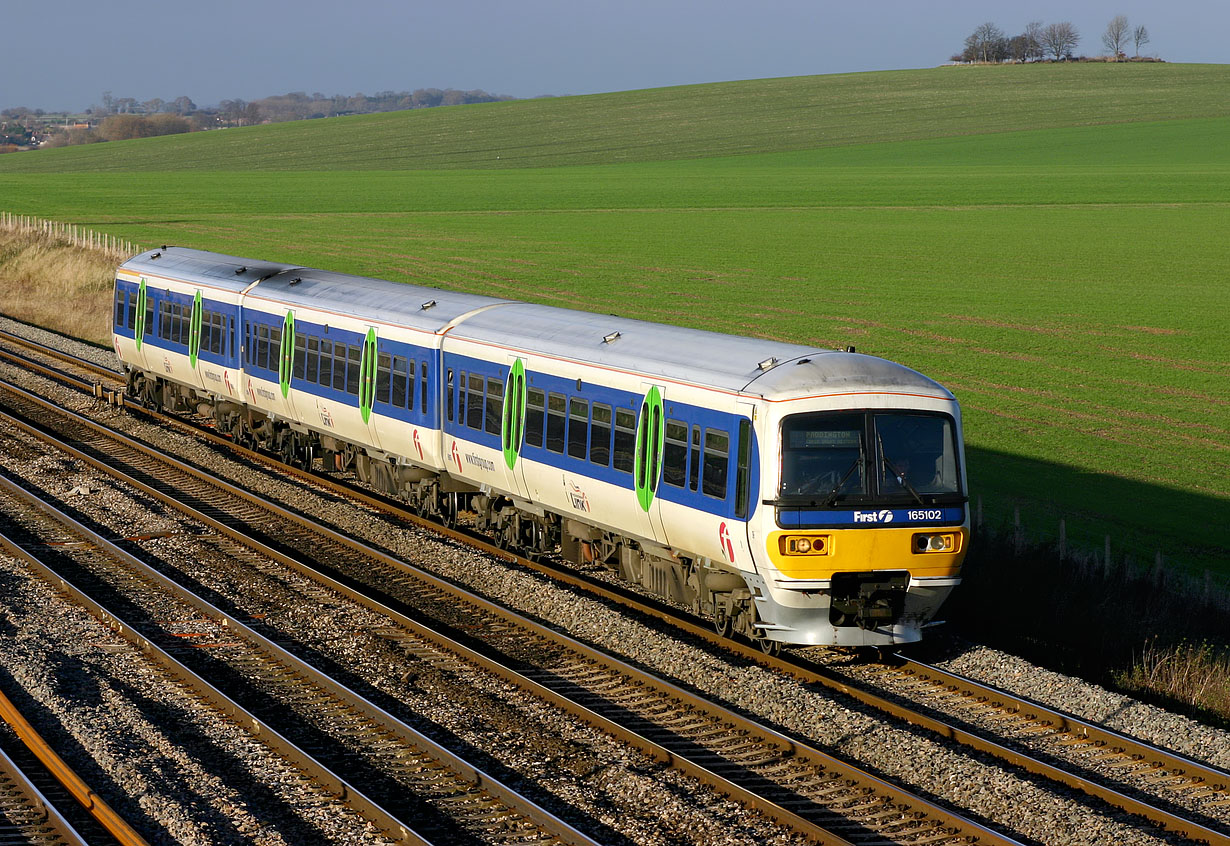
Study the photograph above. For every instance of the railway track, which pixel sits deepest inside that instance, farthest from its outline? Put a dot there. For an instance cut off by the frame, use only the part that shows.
(1181, 795)
(445, 795)
(27, 815)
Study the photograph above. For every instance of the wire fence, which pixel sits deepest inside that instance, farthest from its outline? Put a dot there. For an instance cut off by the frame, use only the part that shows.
(78, 236)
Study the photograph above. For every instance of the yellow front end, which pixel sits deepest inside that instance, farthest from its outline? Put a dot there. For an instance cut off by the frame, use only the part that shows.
(819, 553)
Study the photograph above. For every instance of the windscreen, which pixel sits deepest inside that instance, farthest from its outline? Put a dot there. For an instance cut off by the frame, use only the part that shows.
(865, 456)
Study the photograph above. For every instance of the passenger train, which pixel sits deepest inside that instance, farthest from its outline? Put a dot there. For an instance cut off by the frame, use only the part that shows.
(793, 495)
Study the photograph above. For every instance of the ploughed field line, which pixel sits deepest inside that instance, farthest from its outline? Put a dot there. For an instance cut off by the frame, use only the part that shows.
(1180, 795)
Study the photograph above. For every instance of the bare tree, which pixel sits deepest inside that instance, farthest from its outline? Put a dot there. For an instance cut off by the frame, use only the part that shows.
(1116, 36)
(1140, 35)
(1033, 40)
(986, 44)
(1059, 39)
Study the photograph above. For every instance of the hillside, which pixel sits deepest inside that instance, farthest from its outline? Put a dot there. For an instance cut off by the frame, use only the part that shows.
(1048, 241)
(758, 116)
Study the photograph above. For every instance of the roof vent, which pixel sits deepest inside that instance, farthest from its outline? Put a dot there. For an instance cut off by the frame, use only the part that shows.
(803, 361)
(767, 363)
(240, 270)
(296, 280)
(428, 304)
(849, 349)
(607, 339)
(155, 255)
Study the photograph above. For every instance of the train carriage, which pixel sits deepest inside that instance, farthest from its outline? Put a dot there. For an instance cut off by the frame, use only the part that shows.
(794, 495)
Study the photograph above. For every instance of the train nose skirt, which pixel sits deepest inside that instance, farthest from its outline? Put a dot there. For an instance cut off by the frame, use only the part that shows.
(868, 599)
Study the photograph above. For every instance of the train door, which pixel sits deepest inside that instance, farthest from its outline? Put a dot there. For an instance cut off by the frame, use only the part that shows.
(647, 466)
(143, 325)
(512, 428)
(367, 385)
(747, 496)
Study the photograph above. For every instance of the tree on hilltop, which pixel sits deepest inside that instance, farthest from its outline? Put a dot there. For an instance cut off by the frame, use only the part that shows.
(1140, 36)
(986, 44)
(1060, 39)
(1116, 36)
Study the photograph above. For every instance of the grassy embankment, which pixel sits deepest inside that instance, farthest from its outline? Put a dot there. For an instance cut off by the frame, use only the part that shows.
(51, 283)
(1048, 241)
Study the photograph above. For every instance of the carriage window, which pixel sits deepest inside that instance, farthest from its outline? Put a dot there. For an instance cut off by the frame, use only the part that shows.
(313, 350)
(422, 386)
(262, 346)
(149, 315)
(384, 364)
(410, 384)
(675, 454)
(120, 299)
(717, 460)
(399, 381)
(694, 467)
(474, 402)
(300, 350)
(600, 436)
(743, 478)
(557, 410)
(164, 320)
(207, 332)
(183, 323)
(339, 366)
(354, 358)
(326, 364)
(625, 439)
(535, 407)
(132, 311)
(578, 427)
(495, 405)
(450, 395)
(275, 349)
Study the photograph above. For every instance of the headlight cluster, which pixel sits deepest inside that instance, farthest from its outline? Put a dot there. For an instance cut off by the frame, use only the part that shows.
(943, 542)
(804, 544)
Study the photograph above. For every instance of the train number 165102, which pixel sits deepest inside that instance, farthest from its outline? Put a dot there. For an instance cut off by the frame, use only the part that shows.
(926, 515)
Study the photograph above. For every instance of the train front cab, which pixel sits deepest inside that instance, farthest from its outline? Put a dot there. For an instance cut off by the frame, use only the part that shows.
(863, 526)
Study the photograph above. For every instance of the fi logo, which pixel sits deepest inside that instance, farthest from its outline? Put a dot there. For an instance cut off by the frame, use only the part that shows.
(728, 548)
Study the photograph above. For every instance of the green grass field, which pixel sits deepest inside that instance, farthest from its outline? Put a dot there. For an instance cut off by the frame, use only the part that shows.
(1048, 241)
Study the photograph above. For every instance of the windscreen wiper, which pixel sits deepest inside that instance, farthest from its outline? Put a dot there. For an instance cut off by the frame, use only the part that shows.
(831, 497)
(890, 465)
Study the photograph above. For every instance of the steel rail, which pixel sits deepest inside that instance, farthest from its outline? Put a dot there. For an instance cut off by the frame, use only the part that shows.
(52, 352)
(789, 746)
(386, 821)
(52, 824)
(809, 672)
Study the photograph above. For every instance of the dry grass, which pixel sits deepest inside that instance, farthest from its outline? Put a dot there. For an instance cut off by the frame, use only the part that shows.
(1196, 675)
(51, 283)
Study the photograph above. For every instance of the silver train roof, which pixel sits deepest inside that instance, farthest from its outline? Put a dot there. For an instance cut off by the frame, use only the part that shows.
(230, 273)
(727, 362)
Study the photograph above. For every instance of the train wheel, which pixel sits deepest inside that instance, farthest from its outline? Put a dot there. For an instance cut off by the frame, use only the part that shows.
(721, 622)
(769, 647)
(450, 508)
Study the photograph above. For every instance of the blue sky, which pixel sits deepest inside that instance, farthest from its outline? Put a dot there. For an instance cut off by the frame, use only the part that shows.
(65, 55)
